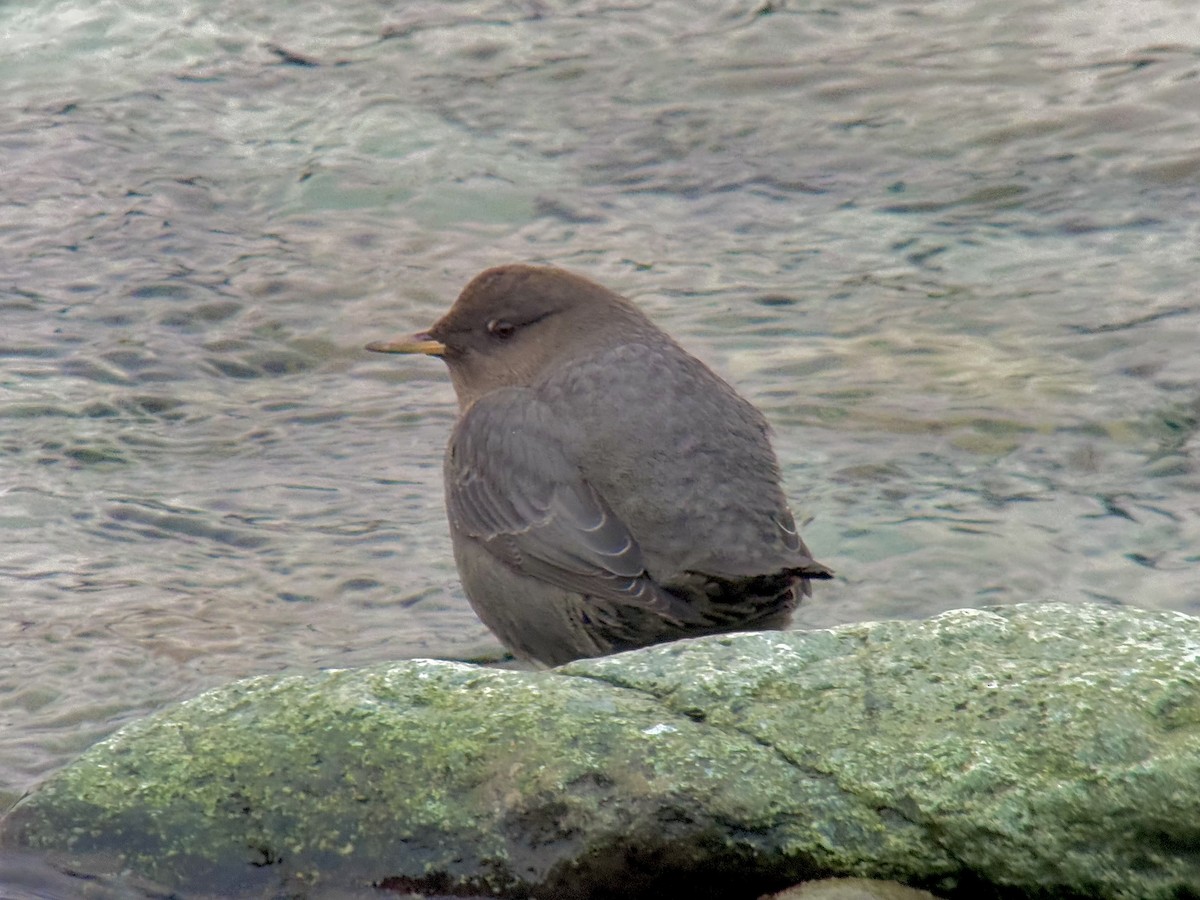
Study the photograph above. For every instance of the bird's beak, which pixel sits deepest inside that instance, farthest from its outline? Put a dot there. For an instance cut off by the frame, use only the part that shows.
(416, 343)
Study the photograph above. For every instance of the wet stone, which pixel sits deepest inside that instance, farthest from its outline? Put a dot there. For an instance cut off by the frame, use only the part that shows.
(1041, 749)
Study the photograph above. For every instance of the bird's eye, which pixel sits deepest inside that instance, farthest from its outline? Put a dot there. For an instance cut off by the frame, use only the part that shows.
(501, 329)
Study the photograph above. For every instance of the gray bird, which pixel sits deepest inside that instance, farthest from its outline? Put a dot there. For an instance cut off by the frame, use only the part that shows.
(605, 489)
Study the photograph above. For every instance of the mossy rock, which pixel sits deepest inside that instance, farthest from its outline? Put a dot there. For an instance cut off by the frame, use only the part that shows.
(1032, 750)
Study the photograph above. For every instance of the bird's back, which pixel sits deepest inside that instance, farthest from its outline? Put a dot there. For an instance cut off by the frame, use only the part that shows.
(683, 460)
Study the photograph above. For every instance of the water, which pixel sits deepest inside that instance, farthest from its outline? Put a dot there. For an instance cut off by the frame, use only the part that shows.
(949, 248)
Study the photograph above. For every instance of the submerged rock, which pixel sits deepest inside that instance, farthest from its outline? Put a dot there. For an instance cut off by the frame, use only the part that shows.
(1044, 750)
(850, 889)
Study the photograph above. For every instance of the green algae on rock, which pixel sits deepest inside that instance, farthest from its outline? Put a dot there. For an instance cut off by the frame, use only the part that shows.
(440, 775)
(1036, 749)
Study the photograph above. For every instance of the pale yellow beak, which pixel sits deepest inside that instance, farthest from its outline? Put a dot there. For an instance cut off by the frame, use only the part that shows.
(416, 343)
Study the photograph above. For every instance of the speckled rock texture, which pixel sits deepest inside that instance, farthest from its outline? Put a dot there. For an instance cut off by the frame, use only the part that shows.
(851, 889)
(1033, 750)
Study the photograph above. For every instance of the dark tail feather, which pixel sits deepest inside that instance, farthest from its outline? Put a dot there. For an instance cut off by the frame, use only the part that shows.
(809, 572)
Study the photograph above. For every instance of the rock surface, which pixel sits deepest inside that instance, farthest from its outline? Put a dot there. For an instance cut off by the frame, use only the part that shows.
(1043, 750)
(850, 889)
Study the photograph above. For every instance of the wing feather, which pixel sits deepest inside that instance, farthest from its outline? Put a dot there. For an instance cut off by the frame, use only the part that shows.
(512, 487)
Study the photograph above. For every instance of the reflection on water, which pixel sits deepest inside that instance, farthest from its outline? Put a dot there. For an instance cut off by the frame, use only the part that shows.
(950, 251)
(25, 876)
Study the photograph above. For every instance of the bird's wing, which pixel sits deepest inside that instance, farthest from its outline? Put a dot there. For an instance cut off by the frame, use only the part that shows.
(512, 487)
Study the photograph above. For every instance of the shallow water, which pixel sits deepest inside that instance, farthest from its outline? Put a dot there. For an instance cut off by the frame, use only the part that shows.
(950, 249)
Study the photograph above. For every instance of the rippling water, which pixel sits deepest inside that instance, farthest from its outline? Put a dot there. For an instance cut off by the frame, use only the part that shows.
(951, 248)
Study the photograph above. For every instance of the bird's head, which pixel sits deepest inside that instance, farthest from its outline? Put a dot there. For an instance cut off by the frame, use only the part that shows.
(514, 323)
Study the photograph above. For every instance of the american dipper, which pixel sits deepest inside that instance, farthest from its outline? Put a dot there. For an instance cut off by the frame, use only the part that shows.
(605, 489)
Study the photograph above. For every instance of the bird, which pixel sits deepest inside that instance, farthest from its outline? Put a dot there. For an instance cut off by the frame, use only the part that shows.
(605, 489)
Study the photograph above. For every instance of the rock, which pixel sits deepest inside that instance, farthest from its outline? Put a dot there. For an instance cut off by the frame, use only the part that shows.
(850, 889)
(1027, 750)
